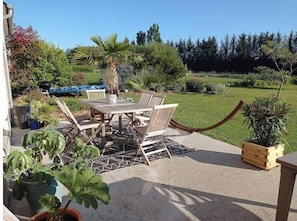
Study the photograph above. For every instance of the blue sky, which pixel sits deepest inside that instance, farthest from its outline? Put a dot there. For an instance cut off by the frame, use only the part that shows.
(69, 23)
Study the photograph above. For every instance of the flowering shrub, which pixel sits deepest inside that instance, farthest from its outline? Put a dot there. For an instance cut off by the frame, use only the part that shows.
(80, 79)
(23, 56)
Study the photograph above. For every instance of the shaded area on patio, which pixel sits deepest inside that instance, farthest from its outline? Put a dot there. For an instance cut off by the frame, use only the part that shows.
(120, 155)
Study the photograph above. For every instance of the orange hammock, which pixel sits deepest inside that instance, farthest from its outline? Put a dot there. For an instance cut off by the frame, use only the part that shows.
(190, 129)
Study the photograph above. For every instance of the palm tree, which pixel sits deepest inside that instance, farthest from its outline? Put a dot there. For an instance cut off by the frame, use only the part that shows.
(114, 53)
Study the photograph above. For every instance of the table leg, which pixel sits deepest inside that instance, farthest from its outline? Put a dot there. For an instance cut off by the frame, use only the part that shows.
(120, 123)
(103, 133)
(286, 187)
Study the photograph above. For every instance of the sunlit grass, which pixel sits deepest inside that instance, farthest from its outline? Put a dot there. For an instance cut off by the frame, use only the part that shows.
(202, 110)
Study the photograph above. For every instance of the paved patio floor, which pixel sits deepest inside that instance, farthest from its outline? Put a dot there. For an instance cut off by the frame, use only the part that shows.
(210, 183)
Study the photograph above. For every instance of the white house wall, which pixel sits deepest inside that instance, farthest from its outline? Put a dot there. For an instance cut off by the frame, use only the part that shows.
(6, 106)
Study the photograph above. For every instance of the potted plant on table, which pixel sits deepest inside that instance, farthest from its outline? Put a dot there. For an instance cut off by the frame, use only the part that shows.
(28, 169)
(111, 78)
(267, 118)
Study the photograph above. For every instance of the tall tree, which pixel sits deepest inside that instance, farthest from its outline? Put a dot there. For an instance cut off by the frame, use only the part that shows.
(140, 38)
(284, 60)
(292, 42)
(53, 65)
(164, 59)
(153, 34)
(24, 47)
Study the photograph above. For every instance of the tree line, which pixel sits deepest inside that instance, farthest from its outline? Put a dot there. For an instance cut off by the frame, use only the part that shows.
(240, 54)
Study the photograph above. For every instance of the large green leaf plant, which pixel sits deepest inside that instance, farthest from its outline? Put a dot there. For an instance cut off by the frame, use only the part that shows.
(75, 174)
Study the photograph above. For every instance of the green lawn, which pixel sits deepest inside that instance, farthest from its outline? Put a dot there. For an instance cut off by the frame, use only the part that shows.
(202, 110)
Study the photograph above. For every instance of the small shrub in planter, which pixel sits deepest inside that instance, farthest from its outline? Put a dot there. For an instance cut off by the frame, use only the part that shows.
(266, 117)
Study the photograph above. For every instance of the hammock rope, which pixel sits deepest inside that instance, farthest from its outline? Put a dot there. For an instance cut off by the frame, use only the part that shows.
(227, 118)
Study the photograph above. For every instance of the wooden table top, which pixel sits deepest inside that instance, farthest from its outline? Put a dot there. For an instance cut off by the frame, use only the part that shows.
(122, 106)
(289, 160)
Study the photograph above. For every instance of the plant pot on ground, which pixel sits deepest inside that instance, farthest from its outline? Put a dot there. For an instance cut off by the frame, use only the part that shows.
(82, 184)
(266, 117)
(23, 115)
(28, 107)
(72, 215)
(39, 111)
(76, 175)
(27, 168)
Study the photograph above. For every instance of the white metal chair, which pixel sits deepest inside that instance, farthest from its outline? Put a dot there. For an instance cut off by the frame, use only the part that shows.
(78, 128)
(149, 138)
(96, 94)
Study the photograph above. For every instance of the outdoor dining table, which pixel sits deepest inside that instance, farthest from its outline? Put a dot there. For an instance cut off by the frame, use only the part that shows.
(287, 180)
(122, 106)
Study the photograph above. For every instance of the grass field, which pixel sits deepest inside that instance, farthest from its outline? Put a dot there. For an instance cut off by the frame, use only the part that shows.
(202, 110)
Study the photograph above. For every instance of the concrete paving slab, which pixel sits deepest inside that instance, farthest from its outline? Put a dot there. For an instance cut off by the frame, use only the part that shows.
(210, 183)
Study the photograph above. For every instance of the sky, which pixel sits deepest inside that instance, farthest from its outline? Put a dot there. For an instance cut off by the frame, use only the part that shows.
(71, 23)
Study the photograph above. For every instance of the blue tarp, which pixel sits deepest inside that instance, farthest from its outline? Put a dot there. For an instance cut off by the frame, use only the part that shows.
(74, 90)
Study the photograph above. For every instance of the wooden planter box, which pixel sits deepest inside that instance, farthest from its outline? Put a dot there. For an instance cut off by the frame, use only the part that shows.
(260, 156)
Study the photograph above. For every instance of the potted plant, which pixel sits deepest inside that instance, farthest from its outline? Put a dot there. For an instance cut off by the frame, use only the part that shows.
(22, 106)
(27, 168)
(39, 109)
(266, 117)
(30, 170)
(82, 183)
(111, 79)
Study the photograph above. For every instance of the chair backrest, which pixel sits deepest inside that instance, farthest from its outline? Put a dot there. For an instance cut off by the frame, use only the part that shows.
(157, 99)
(146, 97)
(60, 105)
(96, 94)
(160, 119)
(64, 108)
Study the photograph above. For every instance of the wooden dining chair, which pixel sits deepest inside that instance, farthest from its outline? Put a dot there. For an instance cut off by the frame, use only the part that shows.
(146, 97)
(78, 129)
(157, 99)
(96, 94)
(150, 138)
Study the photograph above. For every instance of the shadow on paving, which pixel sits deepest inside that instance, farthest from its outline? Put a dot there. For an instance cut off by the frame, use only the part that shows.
(120, 155)
(221, 158)
(146, 200)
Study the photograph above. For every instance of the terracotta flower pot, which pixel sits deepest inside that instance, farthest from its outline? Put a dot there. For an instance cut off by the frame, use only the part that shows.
(70, 211)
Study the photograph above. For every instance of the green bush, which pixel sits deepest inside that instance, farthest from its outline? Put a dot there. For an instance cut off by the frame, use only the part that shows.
(214, 89)
(249, 81)
(294, 80)
(195, 85)
(178, 87)
(82, 68)
(80, 79)
(74, 105)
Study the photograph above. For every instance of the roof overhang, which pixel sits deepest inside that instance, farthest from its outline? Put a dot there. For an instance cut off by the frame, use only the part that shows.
(7, 19)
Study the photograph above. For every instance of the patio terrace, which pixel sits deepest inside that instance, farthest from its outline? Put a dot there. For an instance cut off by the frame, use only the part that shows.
(210, 183)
